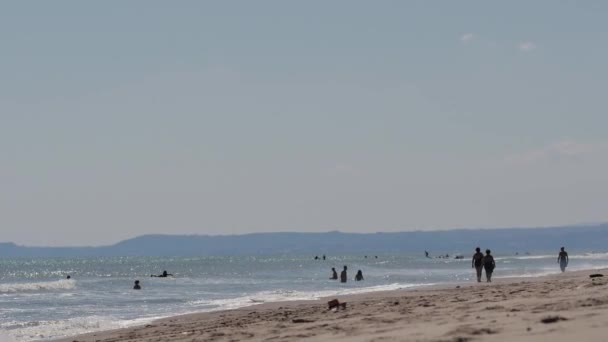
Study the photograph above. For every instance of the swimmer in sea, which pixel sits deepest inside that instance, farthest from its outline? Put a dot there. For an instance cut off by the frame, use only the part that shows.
(359, 276)
(136, 286)
(164, 275)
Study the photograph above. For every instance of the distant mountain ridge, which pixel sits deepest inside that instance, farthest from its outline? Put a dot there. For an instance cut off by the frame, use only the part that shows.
(587, 237)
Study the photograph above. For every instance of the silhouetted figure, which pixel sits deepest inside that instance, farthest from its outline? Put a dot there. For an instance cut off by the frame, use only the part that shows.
(426, 254)
(488, 264)
(562, 259)
(323, 256)
(68, 277)
(164, 275)
(316, 257)
(376, 257)
(343, 276)
(334, 274)
(136, 286)
(477, 262)
(359, 276)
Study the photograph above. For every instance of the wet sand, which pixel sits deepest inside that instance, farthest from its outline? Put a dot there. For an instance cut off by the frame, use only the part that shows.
(565, 307)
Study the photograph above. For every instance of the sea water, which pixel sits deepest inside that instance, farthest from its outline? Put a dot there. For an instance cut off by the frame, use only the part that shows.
(37, 302)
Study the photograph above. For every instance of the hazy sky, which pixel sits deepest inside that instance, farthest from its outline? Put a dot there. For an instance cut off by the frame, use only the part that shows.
(121, 118)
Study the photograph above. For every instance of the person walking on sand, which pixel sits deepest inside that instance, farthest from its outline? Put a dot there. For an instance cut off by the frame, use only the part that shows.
(334, 274)
(343, 276)
(477, 263)
(489, 264)
(562, 259)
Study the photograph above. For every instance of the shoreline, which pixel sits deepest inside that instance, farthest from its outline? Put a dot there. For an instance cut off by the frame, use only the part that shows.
(512, 307)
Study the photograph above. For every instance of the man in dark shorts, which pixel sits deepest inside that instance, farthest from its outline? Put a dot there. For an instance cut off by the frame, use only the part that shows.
(477, 263)
(562, 259)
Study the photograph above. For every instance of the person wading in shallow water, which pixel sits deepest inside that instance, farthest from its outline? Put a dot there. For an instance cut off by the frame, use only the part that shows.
(489, 264)
(562, 259)
(334, 274)
(476, 262)
(343, 276)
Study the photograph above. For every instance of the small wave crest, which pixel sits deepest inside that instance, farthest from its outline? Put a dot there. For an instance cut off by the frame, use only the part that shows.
(5, 337)
(65, 284)
(291, 295)
(44, 330)
(590, 256)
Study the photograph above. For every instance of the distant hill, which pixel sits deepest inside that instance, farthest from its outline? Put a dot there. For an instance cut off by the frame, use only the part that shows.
(507, 240)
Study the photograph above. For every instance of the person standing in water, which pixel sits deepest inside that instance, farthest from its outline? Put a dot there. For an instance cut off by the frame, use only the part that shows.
(477, 263)
(136, 285)
(562, 259)
(343, 276)
(489, 264)
(359, 276)
(334, 274)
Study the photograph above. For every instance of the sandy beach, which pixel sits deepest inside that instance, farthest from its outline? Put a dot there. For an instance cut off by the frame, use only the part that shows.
(564, 307)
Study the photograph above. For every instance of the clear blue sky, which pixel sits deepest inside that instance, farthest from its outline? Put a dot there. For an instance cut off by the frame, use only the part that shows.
(120, 118)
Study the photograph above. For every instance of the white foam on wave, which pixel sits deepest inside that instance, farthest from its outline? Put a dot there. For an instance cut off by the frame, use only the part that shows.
(589, 256)
(525, 257)
(44, 330)
(65, 284)
(5, 337)
(52, 329)
(292, 295)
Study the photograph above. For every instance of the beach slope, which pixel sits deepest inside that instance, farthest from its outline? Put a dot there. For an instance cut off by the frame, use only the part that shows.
(565, 307)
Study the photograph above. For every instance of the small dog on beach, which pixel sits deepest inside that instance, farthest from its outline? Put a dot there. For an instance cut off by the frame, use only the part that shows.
(335, 304)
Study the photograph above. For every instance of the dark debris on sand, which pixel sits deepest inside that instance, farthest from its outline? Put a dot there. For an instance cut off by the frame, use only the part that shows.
(553, 319)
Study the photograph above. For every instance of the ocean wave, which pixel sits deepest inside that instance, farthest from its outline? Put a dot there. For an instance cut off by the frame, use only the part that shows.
(292, 295)
(44, 330)
(591, 256)
(526, 257)
(65, 284)
(5, 337)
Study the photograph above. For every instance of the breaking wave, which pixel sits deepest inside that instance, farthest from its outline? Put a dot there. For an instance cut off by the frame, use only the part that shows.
(65, 284)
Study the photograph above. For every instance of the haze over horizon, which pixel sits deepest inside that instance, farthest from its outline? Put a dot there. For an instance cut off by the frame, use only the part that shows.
(119, 119)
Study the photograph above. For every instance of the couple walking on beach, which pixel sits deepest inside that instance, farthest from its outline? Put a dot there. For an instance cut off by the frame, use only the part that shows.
(480, 261)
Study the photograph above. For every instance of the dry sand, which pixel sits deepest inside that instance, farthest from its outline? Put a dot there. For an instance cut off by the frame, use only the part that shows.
(573, 307)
